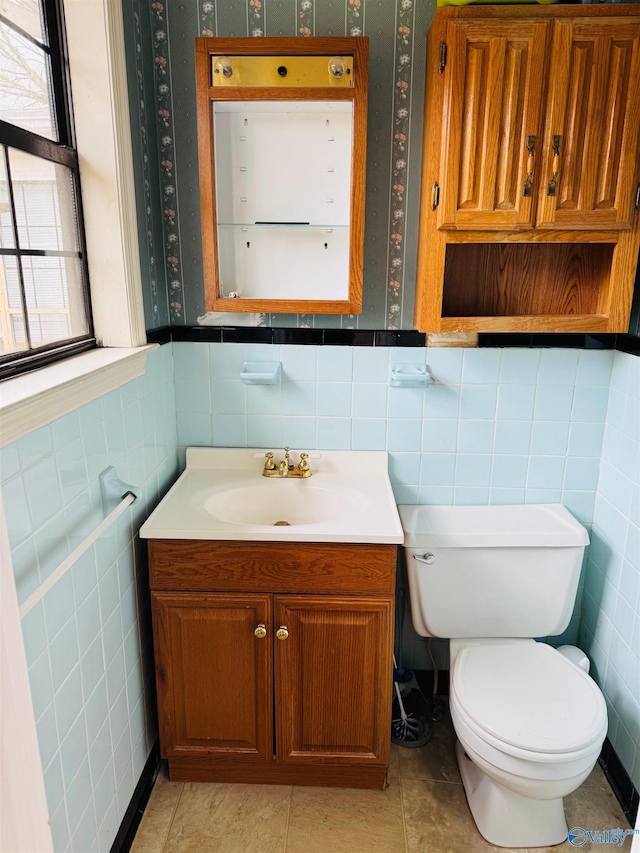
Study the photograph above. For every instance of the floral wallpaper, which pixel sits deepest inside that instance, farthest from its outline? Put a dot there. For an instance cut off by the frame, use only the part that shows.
(401, 108)
(137, 36)
(396, 29)
(164, 118)
(255, 18)
(208, 19)
(306, 18)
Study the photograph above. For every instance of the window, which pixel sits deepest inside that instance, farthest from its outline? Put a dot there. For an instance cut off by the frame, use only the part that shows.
(44, 294)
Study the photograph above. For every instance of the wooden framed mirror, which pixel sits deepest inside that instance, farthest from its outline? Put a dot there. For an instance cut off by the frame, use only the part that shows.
(282, 148)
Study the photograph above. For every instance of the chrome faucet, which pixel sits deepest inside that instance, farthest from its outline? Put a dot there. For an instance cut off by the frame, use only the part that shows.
(286, 468)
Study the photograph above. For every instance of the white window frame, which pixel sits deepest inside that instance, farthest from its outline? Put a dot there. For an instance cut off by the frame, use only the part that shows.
(95, 42)
(97, 62)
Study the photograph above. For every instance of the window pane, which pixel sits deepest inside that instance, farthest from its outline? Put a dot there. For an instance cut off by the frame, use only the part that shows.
(25, 14)
(12, 334)
(55, 299)
(25, 96)
(44, 200)
(6, 225)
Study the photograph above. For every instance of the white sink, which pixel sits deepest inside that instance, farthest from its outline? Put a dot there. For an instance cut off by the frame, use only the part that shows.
(280, 502)
(223, 495)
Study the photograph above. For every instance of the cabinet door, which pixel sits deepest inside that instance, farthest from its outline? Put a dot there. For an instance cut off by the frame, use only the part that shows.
(493, 92)
(213, 675)
(593, 118)
(333, 679)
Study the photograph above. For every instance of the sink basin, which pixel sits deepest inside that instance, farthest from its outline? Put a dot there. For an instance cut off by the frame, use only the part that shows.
(279, 502)
(223, 495)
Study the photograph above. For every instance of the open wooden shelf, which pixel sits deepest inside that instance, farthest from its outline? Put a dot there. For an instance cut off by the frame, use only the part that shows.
(513, 279)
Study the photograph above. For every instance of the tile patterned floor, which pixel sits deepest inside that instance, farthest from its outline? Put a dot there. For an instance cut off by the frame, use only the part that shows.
(423, 810)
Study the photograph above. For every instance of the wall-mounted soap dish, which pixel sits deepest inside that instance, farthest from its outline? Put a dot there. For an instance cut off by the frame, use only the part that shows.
(261, 373)
(409, 375)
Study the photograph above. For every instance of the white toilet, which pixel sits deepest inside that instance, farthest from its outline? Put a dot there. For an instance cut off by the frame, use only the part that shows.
(530, 722)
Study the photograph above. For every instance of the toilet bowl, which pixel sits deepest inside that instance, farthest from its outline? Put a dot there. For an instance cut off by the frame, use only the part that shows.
(530, 722)
(521, 755)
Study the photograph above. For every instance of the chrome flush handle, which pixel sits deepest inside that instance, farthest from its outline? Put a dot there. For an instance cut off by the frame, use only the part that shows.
(427, 558)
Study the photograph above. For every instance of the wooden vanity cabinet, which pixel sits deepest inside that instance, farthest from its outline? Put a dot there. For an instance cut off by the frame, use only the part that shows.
(238, 704)
(531, 169)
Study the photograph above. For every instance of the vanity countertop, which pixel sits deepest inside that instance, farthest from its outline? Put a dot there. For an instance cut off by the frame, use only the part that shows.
(223, 495)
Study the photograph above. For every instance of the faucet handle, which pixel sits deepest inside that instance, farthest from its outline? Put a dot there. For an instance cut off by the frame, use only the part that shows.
(303, 465)
(269, 465)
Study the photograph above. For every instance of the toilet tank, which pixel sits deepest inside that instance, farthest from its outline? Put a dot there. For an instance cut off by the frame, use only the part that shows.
(492, 571)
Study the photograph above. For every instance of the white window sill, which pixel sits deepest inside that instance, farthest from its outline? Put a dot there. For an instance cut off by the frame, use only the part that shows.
(35, 399)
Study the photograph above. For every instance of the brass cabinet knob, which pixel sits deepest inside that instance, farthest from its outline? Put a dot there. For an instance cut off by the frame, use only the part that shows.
(260, 631)
(282, 633)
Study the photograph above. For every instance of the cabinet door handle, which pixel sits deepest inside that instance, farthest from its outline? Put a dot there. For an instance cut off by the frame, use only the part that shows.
(526, 190)
(531, 145)
(261, 631)
(282, 633)
(556, 139)
(435, 196)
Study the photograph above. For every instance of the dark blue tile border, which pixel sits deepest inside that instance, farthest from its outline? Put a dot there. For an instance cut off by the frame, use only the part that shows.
(624, 343)
(381, 338)
(159, 336)
(542, 339)
(628, 343)
(247, 335)
(204, 334)
(298, 336)
(349, 337)
(400, 339)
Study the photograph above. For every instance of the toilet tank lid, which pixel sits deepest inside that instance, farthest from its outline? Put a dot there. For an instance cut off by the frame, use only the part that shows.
(523, 525)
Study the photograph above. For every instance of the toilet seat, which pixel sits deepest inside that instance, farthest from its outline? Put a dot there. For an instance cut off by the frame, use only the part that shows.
(528, 701)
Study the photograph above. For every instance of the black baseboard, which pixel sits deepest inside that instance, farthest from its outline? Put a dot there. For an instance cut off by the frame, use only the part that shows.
(133, 815)
(620, 782)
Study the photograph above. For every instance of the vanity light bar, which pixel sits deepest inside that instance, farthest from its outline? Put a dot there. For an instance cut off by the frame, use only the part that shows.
(283, 71)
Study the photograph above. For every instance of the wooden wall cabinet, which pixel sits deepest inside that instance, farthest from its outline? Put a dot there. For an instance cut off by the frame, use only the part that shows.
(531, 169)
(239, 703)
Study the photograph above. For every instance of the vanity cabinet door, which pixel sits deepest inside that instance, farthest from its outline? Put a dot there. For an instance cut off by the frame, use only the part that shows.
(213, 675)
(333, 679)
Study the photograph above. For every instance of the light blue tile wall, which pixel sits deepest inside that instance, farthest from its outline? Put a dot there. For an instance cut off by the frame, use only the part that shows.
(610, 626)
(88, 642)
(498, 426)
